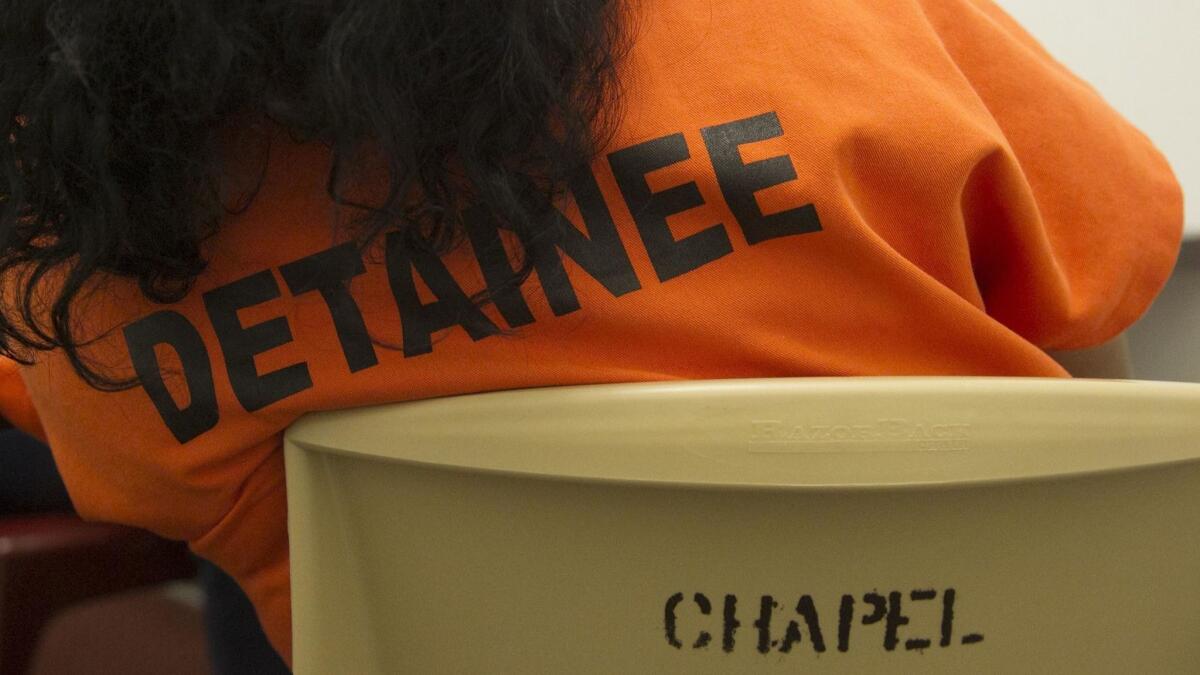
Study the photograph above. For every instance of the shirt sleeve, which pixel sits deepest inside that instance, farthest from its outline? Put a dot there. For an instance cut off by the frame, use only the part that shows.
(250, 544)
(15, 404)
(1075, 226)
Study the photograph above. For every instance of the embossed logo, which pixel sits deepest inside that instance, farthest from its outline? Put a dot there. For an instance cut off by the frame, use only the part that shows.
(778, 436)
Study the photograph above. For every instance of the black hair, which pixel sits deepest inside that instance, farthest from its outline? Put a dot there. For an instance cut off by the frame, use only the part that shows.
(115, 109)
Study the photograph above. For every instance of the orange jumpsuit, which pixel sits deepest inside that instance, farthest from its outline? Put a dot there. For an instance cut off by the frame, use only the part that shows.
(862, 187)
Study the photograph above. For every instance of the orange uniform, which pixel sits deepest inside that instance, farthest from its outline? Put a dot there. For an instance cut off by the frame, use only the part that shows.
(863, 187)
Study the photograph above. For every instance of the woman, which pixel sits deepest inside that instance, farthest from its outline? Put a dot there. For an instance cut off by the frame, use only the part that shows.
(218, 216)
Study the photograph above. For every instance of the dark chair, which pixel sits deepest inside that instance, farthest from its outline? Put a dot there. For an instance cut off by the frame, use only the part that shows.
(50, 562)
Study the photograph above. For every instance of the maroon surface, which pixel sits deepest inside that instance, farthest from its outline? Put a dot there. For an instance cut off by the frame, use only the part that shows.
(50, 562)
(141, 632)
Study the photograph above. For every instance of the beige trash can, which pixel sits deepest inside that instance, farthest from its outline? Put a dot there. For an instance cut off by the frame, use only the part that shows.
(765, 526)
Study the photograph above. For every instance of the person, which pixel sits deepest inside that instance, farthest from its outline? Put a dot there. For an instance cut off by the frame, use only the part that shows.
(219, 216)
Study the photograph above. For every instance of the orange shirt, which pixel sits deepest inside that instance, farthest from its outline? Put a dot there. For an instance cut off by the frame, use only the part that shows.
(862, 187)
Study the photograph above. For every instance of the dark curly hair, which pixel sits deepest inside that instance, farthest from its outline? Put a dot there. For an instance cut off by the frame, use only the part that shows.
(114, 111)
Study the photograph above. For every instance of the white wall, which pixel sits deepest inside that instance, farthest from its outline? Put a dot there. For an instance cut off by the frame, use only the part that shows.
(1144, 56)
